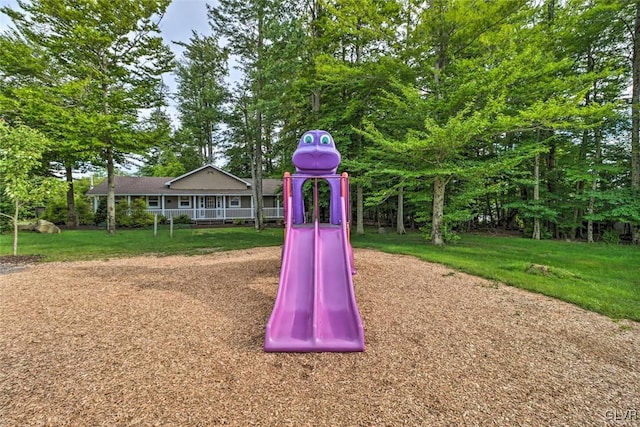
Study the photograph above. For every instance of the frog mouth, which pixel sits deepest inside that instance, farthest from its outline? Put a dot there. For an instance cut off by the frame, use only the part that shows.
(316, 162)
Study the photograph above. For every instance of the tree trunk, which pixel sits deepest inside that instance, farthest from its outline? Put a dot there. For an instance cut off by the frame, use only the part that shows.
(111, 180)
(635, 117)
(582, 154)
(359, 209)
(439, 185)
(594, 184)
(16, 211)
(315, 96)
(72, 218)
(209, 133)
(551, 180)
(256, 174)
(315, 103)
(536, 196)
(111, 193)
(257, 147)
(400, 216)
(257, 188)
(576, 231)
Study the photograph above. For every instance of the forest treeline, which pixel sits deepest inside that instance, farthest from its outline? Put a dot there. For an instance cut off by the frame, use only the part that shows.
(449, 114)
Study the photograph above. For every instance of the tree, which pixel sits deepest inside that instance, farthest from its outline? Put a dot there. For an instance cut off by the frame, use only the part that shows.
(38, 93)
(114, 47)
(172, 153)
(201, 91)
(483, 102)
(635, 112)
(255, 30)
(21, 153)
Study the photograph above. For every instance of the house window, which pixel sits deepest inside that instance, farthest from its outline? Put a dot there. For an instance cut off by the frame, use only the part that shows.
(153, 201)
(234, 202)
(184, 201)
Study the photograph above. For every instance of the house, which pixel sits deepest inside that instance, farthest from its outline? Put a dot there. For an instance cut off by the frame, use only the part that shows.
(204, 194)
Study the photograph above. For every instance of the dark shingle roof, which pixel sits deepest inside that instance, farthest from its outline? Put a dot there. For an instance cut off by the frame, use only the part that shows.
(152, 186)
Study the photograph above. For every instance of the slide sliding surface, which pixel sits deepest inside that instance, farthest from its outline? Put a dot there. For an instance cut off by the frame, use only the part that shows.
(338, 323)
(315, 309)
(290, 327)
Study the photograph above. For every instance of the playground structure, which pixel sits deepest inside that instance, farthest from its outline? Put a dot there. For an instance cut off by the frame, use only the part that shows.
(315, 308)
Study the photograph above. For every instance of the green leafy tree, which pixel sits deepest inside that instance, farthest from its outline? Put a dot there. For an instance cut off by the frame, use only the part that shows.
(168, 156)
(35, 91)
(202, 92)
(115, 48)
(255, 31)
(632, 9)
(21, 153)
(352, 47)
(469, 99)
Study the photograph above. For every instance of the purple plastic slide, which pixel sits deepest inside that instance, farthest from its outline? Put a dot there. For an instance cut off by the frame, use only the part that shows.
(315, 309)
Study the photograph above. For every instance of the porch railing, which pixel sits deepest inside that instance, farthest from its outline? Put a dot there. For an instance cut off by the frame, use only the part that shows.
(218, 213)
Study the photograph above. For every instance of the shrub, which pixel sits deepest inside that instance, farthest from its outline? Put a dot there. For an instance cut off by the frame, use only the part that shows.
(57, 211)
(100, 217)
(182, 219)
(133, 215)
(139, 216)
(611, 237)
(123, 219)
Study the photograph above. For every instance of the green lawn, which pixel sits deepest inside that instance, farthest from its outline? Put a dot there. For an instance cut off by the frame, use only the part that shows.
(92, 244)
(598, 277)
(601, 278)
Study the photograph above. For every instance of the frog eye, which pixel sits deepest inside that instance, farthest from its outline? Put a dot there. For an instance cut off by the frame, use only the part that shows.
(308, 139)
(325, 140)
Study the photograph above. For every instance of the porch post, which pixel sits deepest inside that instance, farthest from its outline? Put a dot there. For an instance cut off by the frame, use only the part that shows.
(252, 216)
(277, 215)
(95, 204)
(195, 211)
(224, 207)
(162, 204)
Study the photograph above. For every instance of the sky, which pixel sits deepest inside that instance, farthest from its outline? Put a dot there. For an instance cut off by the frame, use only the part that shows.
(181, 18)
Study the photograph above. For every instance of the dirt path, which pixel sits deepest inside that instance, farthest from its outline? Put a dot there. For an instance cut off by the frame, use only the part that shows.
(178, 341)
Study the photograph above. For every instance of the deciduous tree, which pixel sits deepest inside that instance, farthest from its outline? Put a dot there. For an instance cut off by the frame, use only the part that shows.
(114, 47)
(21, 153)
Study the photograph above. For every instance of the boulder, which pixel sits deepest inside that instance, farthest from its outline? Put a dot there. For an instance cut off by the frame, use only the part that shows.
(27, 227)
(46, 227)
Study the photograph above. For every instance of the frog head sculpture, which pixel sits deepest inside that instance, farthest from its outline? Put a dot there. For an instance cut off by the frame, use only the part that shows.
(316, 154)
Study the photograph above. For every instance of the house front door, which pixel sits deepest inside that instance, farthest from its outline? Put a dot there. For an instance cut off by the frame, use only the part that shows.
(207, 205)
(219, 206)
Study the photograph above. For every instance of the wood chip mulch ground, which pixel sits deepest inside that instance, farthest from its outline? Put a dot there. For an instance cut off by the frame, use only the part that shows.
(178, 341)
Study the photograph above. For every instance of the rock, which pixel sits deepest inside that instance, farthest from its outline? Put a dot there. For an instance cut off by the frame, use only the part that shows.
(539, 269)
(46, 227)
(382, 230)
(27, 227)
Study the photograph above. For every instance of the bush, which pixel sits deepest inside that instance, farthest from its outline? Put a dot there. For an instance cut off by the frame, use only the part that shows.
(122, 213)
(139, 215)
(133, 215)
(57, 212)
(182, 219)
(611, 237)
(100, 217)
